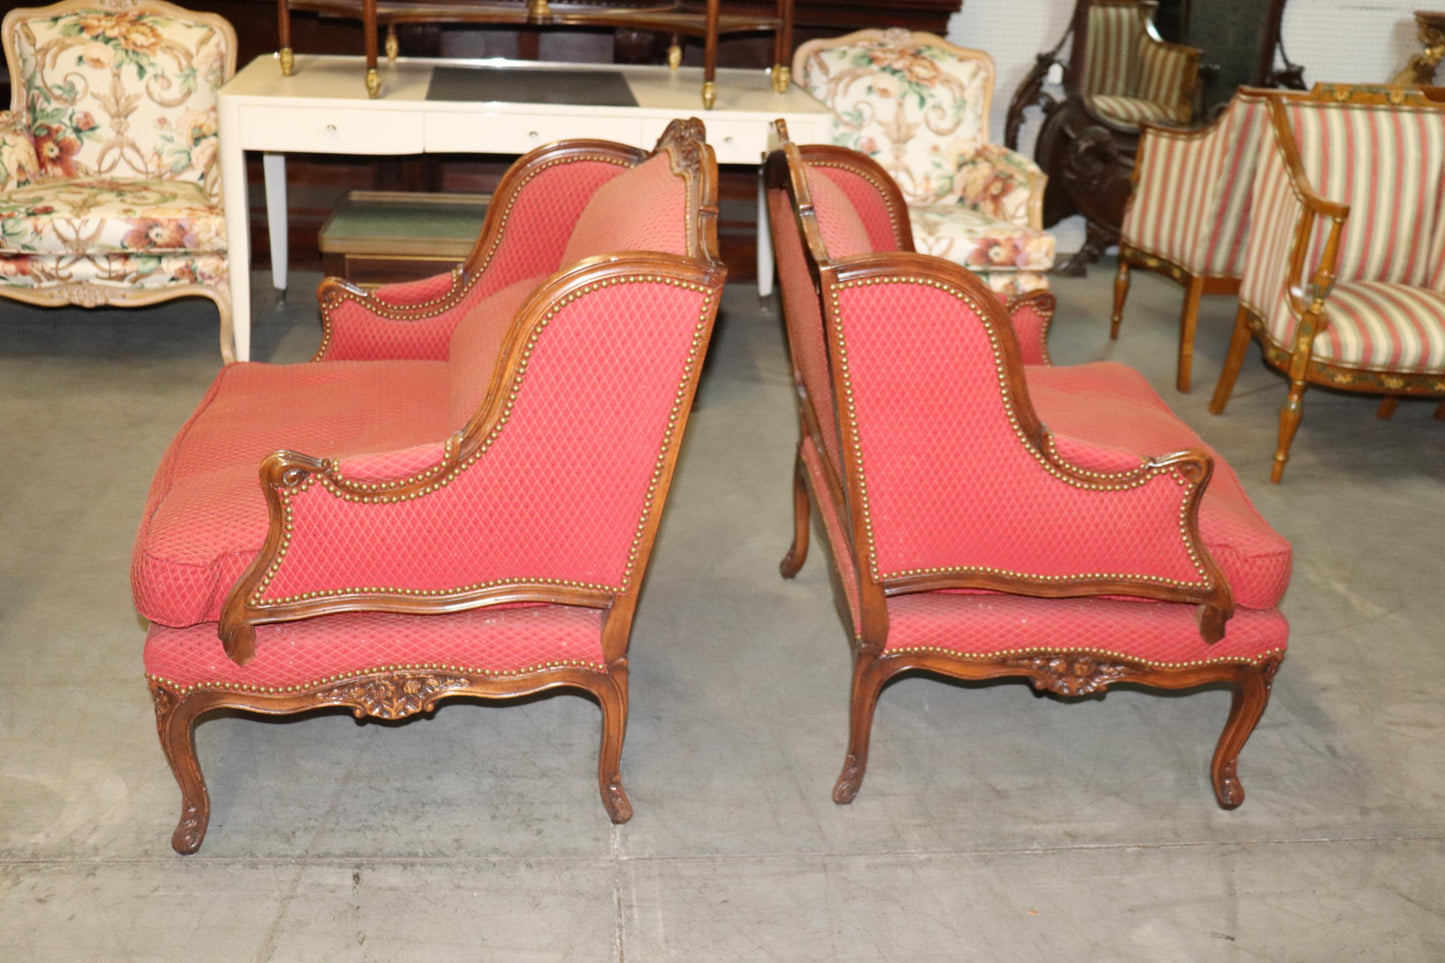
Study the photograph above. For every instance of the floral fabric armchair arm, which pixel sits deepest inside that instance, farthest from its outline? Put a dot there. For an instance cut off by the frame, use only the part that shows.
(1004, 184)
(18, 161)
(528, 224)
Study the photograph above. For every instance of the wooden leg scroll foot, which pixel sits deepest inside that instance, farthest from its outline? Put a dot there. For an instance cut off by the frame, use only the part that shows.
(867, 683)
(612, 696)
(175, 724)
(798, 551)
(1247, 705)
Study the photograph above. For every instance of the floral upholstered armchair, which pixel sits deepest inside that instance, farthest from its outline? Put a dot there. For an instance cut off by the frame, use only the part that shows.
(991, 515)
(457, 497)
(1188, 215)
(919, 105)
(1344, 271)
(109, 186)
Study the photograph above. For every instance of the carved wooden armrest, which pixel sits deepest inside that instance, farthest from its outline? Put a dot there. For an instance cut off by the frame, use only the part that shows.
(1032, 315)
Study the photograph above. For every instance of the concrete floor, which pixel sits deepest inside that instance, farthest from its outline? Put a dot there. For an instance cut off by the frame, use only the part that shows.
(993, 824)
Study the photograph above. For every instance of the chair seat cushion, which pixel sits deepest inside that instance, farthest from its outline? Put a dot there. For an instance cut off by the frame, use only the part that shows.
(990, 624)
(1383, 326)
(99, 215)
(978, 241)
(124, 272)
(1111, 404)
(331, 649)
(1129, 111)
(205, 516)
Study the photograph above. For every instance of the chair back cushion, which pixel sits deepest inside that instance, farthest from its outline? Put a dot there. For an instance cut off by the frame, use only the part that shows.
(1115, 33)
(644, 209)
(122, 93)
(911, 101)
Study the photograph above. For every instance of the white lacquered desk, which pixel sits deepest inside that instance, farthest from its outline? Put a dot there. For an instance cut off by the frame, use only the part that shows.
(323, 108)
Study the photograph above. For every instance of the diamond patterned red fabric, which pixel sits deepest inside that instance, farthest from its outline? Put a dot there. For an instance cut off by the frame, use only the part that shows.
(1031, 331)
(561, 490)
(205, 515)
(644, 209)
(1113, 405)
(475, 344)
(844, 233)
(991, 624)
(310, 652)
(867, 202)
(415, 292)
(930, 414)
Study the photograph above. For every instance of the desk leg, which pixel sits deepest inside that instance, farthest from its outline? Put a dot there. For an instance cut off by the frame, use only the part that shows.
(274, 167)
(765, 241)
(238, 231)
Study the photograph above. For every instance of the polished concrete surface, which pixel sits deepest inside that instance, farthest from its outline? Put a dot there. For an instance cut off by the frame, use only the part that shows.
(994, 824)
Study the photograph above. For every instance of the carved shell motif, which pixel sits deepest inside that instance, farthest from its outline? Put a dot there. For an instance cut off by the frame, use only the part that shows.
(396, 696)
(1072, 674)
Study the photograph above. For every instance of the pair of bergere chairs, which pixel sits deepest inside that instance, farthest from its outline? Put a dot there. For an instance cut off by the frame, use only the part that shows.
(459, 495)
(1323, 212)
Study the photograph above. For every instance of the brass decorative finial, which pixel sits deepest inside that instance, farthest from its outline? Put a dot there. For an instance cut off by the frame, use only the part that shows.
(288, 61)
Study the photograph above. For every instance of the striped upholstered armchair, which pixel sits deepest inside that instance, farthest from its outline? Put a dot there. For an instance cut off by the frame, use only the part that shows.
(1125, 74)
(1188, 215)
(1344, 271)
(919, 105)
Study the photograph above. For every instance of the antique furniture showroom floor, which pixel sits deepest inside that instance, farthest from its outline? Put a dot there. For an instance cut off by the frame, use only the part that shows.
(994, 824)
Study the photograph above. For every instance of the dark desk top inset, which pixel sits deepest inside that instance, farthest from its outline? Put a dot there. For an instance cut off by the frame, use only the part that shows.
(588, 88)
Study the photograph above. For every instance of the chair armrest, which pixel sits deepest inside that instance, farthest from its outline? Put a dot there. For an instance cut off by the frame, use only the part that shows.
(1003, 184)
(549, 493)
(19, 164)
(1032, 314)
(525, 233)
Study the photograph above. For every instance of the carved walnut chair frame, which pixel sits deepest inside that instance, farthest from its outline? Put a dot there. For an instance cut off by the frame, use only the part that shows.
(82, 293)
(395, 693)
(839, 492)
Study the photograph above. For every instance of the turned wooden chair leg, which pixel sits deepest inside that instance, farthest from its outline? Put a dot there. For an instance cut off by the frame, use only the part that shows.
(868, 679)
(612, 696)
(1233, 362)
(1388, 404)
(1121, 291)
(1188, 321)
(1289, 419)
(798, 551)
(1250, 697)
(175, 724)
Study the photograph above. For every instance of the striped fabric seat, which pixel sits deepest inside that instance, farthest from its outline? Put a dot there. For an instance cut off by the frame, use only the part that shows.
(1128, 111)
(1348, 198)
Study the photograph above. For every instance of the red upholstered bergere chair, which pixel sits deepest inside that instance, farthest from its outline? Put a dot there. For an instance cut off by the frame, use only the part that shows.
(453, 503)
(1344, 272)
(1188, 215)
(991, 517)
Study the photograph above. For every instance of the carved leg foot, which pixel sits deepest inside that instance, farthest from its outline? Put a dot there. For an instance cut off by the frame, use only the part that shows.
(798, 551)
(867, 682)
(612, 695)
(175, 721)
(1248, 704)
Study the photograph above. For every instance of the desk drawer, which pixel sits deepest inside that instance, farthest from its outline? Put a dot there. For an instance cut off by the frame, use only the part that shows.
(497, 133)
(332, 131)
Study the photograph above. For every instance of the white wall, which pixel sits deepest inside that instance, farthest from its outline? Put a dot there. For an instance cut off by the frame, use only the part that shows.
(1359, 41)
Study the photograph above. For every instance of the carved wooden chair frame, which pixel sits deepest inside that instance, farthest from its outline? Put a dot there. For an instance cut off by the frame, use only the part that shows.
(839, 493)
(1307, 292)
(401, 692)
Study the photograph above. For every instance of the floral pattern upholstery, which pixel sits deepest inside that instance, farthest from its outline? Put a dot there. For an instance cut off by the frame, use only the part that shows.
(919, 106)
(108, 155)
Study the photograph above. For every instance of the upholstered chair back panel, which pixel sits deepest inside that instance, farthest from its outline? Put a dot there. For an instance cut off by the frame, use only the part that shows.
(867, 203)
(121, 94)
(644, 209)
(1163, 79)
(844, 233)
(1387, 164)
(1221, 251)
(1111, 55)
(916, 108)
(1271, 238)
(928, 402)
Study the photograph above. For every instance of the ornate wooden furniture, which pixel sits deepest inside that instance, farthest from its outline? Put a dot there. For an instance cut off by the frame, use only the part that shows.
(109, 187)
(666, 16)
(1420, 71)
(919, 105)
(971, 540)
(1344, 273)
(487, 454)
(1119, 74)
(1188, 214)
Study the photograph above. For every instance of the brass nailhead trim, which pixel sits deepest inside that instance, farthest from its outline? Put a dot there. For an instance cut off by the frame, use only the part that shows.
(327, 680)
(1105, 653)
(1102, 482)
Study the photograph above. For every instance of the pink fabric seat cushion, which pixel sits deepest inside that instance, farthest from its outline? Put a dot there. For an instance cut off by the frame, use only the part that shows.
(495, 641)
(1112, 405)
(475, 343)
(990, 624)
(643, 209)
(205, 517)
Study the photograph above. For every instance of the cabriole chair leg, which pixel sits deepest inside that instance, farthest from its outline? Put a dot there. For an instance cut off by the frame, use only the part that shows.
(868, 679)
(612, 696)
(798, 551)
(175, 724)
(1247, 705)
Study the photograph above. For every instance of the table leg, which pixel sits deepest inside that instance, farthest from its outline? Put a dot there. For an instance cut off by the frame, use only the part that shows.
(765, 241)
(238, 232)
(274, 167)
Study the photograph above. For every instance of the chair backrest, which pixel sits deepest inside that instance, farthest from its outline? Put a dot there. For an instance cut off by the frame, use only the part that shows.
(912, 101)
(1379, 151)
(120, 89)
